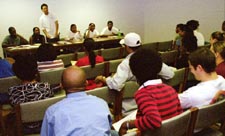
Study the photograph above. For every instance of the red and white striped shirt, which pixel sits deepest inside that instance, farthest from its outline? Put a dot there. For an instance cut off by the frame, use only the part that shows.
(50, 65)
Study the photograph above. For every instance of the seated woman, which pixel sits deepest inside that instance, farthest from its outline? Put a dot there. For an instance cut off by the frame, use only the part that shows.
(46, 58)
(25, 68)
(218, 48)
(216, 37)
(36, 37)
(90, 59)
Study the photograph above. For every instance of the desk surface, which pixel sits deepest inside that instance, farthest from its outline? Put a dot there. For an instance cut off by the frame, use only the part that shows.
(63, 45)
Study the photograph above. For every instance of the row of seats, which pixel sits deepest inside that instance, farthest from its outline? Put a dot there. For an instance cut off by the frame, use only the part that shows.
(115, 53)
(183, 124)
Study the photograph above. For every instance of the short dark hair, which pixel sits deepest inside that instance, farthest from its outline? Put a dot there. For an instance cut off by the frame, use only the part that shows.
(145, 64)
(25, 67)
(193, 24)
(91, 24)
(72, 26)
(42, 5)
(179, 25)
(35, 28)
(11, 28)
(203, 57)
(46, 52)
(110, 22)
(218, 36)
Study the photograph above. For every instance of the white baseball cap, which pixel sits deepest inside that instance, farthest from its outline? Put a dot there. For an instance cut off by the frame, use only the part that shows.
(131, 40)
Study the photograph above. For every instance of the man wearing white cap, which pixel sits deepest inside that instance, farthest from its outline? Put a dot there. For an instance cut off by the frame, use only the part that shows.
(132, 42)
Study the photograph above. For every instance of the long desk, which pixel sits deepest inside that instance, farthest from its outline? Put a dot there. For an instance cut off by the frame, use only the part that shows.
(63, 46)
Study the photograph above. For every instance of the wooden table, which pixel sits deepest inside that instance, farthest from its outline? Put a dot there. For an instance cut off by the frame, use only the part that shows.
(63, 47)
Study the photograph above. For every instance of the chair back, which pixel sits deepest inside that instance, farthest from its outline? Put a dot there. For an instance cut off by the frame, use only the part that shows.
(51, 76)
(165, 46)
(210, 114)
(8, 82)
(177, 80)
(129, 89)
(111, 66)
(169, 57)
(67, 58)
(33, 111)
(152, 46)
(91, 73)
(111, 53)
(180, 125)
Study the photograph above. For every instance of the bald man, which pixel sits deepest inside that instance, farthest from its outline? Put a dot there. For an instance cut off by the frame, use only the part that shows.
(78, 113)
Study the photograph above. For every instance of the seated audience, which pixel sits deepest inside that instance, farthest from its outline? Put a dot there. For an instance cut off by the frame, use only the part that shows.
(46, 58)
(218, 48)
(156, 101)
(216, 37)
(132, 43)
(90, 59)
(74, 34)
(109, 30)
(25, 68)
(194, 25)
(91, 32)
(188, 45)
(202, 64)
(5, 69)
(13, 39)
(177, 40)
(37, 37)
(78, 113)
(223, 27)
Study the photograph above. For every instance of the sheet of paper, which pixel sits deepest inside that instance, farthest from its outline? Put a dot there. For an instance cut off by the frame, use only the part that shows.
(131, 116)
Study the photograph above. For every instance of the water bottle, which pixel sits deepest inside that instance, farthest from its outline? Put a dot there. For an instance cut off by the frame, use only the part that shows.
(119, 34)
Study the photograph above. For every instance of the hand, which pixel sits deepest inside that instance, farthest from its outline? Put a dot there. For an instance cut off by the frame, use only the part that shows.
(99, 79)
(123, 129)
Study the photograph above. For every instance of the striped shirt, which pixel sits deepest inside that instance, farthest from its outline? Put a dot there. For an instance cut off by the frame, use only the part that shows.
(156, 102)
(50, 65)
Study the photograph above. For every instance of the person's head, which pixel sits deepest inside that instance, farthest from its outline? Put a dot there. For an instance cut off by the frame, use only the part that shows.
(110, 25)
(218, 48)
(216, 36)
(193, 24)
(178, 28)
(202, 61)
(92, 26)
(223, 26)
(89, 45)
(25, 68)
(46, 52)
(145, 65)
(131, 41)
(73, 28)
(12, 31)
(36, 31)
(185, 30)
(73, 79)
(44, 8)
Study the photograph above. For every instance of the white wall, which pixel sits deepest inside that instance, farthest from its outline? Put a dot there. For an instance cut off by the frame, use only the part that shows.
(162, 16)
(154, 20)
(127, 15)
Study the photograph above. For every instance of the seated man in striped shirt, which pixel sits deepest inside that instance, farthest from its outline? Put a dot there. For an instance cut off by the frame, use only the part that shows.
(156, 101)
(46, 57)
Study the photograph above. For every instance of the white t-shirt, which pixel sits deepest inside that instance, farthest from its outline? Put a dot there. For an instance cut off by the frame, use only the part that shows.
(92, 34)
(201, 94)
(48, 22)
(200, 38)
(75, 36)
(106, 31)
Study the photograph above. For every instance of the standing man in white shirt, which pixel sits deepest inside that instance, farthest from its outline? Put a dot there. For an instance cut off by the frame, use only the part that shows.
(49, 24)
(109, 30)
